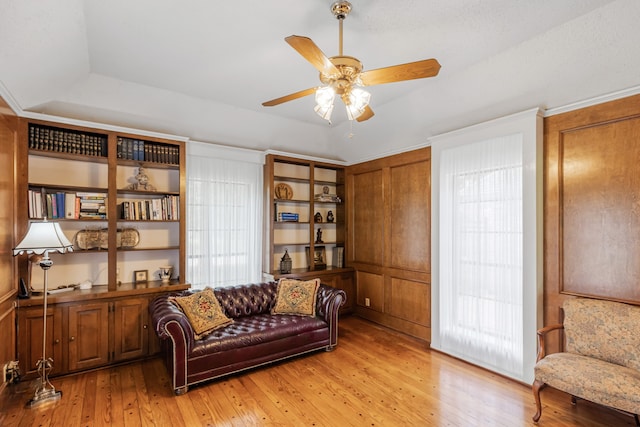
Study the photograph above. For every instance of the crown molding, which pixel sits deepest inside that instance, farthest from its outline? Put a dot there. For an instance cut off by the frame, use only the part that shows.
(624, 93)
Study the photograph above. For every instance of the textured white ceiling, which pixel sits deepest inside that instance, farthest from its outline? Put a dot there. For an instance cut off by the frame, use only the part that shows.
(201, 69)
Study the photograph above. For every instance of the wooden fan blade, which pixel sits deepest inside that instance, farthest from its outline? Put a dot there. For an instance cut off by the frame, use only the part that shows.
(312, 53)
(368, 113)
(398, 73)
(290, 97)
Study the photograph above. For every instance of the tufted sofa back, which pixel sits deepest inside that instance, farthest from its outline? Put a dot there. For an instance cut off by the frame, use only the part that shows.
(246, 300)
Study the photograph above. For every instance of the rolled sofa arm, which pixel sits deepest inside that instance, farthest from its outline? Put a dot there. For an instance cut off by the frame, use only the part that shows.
(170, 322)
(328, 306)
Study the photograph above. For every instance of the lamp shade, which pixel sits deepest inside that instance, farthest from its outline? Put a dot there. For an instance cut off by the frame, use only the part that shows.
(41, 237)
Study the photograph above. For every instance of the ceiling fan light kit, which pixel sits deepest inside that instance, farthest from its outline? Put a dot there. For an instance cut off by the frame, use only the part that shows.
(342, 75)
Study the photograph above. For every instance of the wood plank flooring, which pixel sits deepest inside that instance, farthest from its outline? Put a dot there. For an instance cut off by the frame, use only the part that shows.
(375, 377)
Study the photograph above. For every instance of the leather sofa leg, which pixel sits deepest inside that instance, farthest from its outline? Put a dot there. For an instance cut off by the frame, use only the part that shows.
(330, 348)
(181, 390)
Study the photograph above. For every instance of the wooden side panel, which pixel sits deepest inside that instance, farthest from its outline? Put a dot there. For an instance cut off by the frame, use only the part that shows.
(370, 287)
(8, 274)
(368, 218)
(410, 300)
(391, 212)
(591, 209)
(601, 210)
(410, 213)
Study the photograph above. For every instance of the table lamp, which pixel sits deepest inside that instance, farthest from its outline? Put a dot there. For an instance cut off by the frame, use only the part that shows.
(43, 237)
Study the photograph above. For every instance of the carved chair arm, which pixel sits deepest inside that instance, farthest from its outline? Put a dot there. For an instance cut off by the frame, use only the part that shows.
(542, 332)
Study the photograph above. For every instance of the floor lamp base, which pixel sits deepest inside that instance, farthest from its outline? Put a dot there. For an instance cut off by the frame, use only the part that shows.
(44, 396)
(45, 392)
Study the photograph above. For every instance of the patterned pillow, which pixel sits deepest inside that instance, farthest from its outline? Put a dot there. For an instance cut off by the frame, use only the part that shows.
(203, 311)
(296, 297)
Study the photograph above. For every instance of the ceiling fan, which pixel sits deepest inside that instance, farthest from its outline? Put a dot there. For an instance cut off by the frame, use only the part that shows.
(343, 76)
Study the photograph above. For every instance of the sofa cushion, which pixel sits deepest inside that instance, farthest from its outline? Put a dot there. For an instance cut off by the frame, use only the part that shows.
(296, 297)
(248, 331)
(592, 379)
(605, 330)
(203, 311)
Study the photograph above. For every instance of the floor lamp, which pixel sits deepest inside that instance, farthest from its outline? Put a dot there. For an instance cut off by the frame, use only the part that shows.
(43, 237)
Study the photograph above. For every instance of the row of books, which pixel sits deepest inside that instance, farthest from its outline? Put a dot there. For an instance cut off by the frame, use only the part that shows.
(58, 205)
(338, 256)
(137, 149)
(288, 217)
(67, 141)
(163, 209)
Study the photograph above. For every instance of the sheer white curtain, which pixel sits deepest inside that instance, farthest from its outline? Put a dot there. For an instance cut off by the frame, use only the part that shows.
(224, 216)
(484, 280)
(481, 250)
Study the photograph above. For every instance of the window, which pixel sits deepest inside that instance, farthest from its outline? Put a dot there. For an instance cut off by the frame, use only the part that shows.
(483, 279)
(224, 210)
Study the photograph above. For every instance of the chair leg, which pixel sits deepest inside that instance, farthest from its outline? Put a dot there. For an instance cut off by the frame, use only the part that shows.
(635, 417)
(537, 386)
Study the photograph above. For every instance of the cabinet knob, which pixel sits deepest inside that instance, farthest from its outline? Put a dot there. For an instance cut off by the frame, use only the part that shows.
(57, 341)
(72, 339)
(145, 326)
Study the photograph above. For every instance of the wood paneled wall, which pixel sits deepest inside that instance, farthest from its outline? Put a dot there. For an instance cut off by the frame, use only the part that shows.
(592, 205)
(389, 240)
(8, 275)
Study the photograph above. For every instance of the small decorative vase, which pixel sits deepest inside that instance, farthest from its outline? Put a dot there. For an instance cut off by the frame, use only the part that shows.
(165, 273)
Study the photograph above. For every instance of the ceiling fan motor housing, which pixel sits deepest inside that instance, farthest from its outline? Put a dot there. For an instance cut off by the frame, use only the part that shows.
(349, 72)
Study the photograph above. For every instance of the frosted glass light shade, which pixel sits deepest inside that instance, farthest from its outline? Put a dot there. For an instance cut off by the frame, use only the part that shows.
(41, 237)
(324, 97)
(358, 101)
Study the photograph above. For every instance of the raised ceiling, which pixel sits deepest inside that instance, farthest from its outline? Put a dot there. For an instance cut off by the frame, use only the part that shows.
(202, 68)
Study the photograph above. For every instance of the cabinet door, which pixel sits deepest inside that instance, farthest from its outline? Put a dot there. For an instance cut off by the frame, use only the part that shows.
(30, 340)
(131, 328)
(88, 335)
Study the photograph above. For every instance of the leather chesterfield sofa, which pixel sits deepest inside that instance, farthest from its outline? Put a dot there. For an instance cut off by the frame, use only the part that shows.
(256, 337)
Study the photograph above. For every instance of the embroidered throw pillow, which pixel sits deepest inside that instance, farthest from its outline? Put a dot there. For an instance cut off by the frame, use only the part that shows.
(296, 297)
(203, 311)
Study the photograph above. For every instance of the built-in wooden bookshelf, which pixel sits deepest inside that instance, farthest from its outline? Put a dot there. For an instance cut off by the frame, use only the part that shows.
(303, 197)
(81, 178)
(120, 199)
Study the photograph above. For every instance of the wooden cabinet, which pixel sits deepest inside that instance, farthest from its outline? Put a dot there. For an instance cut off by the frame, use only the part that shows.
(120, 199)
(306, 217)
(90, 329)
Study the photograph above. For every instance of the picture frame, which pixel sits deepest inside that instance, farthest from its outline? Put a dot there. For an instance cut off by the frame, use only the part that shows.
(319, 259)
(140, 276)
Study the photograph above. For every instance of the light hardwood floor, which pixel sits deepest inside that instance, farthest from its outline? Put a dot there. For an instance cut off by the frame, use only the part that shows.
(375, 377)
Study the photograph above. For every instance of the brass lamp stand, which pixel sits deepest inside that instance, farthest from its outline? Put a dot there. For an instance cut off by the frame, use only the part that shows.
(42, 238)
